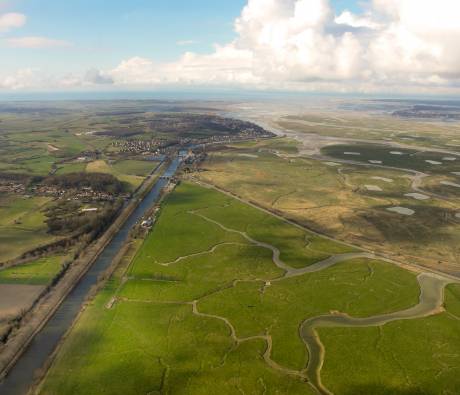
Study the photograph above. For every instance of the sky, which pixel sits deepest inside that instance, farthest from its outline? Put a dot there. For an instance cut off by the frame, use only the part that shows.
(293, 45)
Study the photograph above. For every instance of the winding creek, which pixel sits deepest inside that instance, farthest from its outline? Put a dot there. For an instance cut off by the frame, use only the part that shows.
(21, 376)
(431, 302)
(289, 271)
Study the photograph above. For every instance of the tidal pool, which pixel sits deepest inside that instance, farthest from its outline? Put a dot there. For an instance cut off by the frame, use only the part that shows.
(417, 196)
(382, 179)
(401, 210)
(373, 188)
(248, 156)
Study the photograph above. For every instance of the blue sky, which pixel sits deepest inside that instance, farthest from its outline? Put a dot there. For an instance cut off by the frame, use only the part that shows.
(102, 32)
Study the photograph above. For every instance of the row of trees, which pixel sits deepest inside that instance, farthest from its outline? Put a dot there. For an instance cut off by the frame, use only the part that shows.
(98, 182)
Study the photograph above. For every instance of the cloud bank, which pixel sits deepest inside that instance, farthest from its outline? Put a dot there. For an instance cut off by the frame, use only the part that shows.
(393, 45)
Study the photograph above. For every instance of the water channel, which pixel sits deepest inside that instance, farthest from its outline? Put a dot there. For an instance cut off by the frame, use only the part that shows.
(21, 376)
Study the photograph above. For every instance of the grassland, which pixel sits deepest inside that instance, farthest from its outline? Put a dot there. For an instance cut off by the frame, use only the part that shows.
(279, 144)
(362, 125)
(26, 150)
(131, 172)
(140, 168)
(334, 199)
(67, 168)
(205, 308)
(22, 225)
(38, 272)
(406, 159)
(435, 185)
(403, 357)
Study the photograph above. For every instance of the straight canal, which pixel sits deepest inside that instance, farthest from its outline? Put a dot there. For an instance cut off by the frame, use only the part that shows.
(21, 377)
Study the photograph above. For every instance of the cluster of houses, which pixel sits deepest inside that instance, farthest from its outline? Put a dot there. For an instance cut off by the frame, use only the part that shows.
(84, 194)
(139, 146)
(226, 130)
(150, 221)
(88, 156)
(12, 187)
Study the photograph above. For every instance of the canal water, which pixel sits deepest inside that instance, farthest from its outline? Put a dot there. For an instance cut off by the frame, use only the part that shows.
(22, 375)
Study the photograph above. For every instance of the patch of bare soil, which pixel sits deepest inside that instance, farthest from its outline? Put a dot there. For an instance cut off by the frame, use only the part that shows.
(17, 297)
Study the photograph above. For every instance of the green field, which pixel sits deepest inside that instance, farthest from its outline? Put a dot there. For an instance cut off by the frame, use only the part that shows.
(131, 172)
(22, 225)
(404, 357)
(27, 150)
(202, 300)
(67, 168)
(141, 168)
(38, 272)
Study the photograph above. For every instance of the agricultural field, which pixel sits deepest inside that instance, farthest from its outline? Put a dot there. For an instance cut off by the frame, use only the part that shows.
(22, 285)
(36, 152)
(37, 272)
(22, 225)
(213, 301)
(15, 299)
(71, 167)
(130, 172)
(350, 202)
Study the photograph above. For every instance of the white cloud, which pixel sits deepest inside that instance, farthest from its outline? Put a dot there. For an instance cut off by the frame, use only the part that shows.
(350, 19)
(23, 79)
(186, 42)
(394, 45)
(95, 76)
(301, 44)
(11, 21)
(36, 42)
